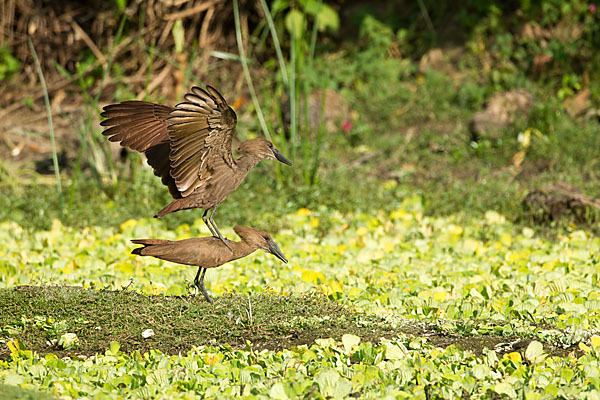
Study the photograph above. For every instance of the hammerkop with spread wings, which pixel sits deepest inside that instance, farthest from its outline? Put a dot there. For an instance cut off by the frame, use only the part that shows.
(189, 148)
(209, 252)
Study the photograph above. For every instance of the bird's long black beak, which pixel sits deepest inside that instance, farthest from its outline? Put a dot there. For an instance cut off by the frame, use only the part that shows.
(274, 249)
(280, 157)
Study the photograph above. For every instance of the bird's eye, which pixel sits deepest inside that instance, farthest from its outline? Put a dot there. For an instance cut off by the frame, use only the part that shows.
(266, 237)
(270, 145)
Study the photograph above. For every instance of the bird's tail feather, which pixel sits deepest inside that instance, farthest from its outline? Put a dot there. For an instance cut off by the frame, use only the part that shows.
(149, 242)
(146, 243)
(174, 206)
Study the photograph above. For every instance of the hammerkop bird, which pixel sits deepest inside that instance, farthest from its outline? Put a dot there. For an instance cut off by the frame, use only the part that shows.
(189, 148)
(208, 252)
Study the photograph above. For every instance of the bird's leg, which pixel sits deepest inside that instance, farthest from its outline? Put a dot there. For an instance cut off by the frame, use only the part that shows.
(196, 278)
(212, 232)
(200, 283)
(217, 229)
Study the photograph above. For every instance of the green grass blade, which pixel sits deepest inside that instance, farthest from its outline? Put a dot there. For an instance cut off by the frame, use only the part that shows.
(276, 44)
(38, 67)
(238, 35)
(292, 93)
(313, 40)
(224, 55)
(320, 139)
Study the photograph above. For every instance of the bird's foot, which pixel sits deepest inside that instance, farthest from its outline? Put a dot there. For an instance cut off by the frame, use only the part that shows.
(207, 297)
(202, 290)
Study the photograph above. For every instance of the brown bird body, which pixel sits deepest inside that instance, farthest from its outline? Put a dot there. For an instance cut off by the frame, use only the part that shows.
(228, 178)
(189, 148)
(208, 252)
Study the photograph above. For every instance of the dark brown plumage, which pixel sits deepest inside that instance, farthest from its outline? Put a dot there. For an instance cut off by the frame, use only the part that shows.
(209, 252)
(189, 148)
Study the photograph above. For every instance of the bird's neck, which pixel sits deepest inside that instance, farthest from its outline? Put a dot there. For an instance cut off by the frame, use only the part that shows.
(241, 249)
(248, 161)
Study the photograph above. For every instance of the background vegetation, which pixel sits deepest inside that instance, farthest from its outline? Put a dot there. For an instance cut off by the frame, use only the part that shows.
(398, 113)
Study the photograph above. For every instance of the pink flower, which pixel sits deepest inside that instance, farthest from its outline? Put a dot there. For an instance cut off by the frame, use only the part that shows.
(347, 126)
(592, 7)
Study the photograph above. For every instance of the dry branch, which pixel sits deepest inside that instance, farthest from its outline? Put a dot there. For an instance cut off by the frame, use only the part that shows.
(186, 13)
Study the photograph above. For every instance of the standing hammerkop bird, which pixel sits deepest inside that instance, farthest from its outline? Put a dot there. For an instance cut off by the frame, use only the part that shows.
(208, 252)
(189, 148)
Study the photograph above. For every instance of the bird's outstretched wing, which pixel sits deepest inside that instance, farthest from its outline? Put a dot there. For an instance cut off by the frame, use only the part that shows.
(142, 126)
(200, 130)
(158, 158)
(137, 125)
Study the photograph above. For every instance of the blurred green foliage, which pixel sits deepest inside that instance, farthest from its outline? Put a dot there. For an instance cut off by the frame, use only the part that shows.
(296, 13)
(408, 124)
(515, 36)
(9, 65)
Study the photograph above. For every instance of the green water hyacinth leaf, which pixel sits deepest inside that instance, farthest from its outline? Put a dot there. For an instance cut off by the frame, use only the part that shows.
(124, 380)
(114, 348)
(13, 379)
(505, 388)
(394, 352)
(332, 385)
(68, 341)
(535, 352)
(481, 371)
(350, 341)
(158, 377)
(278, 392)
